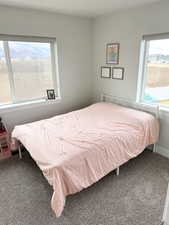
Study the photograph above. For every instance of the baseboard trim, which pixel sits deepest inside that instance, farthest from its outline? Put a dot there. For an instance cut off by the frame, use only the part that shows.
(162, 151)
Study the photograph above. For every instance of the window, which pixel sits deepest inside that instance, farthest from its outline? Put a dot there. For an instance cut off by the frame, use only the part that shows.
(27, 68)
(154, 71)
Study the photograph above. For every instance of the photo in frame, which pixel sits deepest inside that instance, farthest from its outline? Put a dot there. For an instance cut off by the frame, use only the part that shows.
(105, 72)
(112, 53)
(118, 73)
(50, 94)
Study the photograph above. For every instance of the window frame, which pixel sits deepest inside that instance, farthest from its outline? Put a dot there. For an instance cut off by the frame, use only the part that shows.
(54, 69)
(142, 74)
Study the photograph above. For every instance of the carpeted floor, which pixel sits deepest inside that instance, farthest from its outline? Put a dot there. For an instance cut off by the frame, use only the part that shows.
(135, 197)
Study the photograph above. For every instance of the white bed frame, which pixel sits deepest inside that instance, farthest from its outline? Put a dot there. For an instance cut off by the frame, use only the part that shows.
(152, 109)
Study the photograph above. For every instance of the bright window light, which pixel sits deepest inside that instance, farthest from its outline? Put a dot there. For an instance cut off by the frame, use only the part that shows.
(27, 69)
(155, 71)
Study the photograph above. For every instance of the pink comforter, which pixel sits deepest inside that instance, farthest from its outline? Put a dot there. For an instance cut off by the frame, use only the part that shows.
(77, 149)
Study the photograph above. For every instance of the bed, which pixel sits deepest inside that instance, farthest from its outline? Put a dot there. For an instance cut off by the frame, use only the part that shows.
(76, 149)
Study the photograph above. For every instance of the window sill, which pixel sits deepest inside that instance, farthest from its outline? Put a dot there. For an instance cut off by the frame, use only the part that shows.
(164, 109)
(29, 104)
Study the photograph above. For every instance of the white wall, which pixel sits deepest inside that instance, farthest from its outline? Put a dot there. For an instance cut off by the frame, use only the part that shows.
(127, 27)
(73, 35)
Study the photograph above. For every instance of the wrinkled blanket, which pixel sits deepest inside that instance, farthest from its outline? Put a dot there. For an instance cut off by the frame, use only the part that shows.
(76, 149)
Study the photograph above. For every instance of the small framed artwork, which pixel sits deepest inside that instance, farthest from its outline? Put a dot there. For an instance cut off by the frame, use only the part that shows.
(105, 72)
(50, 94)
(112, 53)
(118, 73)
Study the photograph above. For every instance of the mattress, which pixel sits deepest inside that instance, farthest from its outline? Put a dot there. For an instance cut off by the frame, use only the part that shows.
(76, 149)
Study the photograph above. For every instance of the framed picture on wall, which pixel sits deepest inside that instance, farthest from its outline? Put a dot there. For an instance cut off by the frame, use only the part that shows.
(118, 73)
(112, 53)
(105, 72)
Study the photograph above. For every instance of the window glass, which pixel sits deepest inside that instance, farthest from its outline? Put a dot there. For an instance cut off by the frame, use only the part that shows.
(156, 88)
(27, 68)
(5, 93)
(32, 69)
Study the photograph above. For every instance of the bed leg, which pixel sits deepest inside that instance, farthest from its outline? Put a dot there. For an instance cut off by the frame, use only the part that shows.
(20, 153)
(117, 171)
(154, 148)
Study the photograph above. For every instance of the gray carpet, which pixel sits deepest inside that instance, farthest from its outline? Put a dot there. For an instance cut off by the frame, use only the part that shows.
(136, 197)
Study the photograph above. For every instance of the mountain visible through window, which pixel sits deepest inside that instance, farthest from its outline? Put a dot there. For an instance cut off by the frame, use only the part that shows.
(26, 71)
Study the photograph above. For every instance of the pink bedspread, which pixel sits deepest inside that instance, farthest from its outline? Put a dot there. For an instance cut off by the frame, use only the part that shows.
(77, 149)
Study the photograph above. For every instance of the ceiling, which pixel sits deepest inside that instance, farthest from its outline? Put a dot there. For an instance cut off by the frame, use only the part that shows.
(88, 8)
